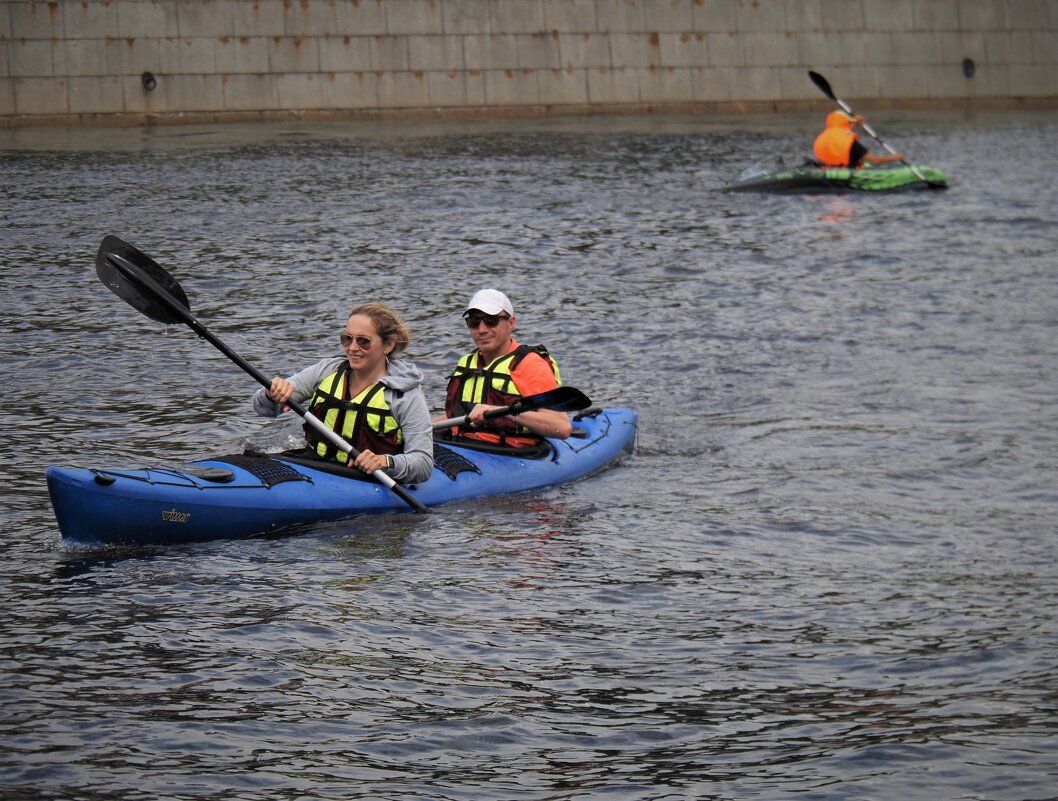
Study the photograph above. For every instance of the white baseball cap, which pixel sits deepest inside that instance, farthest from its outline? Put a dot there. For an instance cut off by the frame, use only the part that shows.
(490, 301)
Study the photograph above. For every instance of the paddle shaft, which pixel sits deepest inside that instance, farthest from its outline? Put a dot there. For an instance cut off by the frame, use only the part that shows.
(189, 319)
(871, 133)
(824, 86)
(462, 421)
(559, 399)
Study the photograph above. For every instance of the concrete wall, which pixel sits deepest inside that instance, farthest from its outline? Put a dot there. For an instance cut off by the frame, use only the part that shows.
(82, 61)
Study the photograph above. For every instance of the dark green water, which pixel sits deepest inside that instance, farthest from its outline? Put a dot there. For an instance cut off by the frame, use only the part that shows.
(827, 573)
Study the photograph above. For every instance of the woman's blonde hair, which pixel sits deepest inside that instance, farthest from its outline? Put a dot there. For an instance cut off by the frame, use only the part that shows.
(388, 324)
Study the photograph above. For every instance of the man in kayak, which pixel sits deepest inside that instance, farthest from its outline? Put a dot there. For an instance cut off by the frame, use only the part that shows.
(497, 373)
(840, 146)
(373, 401)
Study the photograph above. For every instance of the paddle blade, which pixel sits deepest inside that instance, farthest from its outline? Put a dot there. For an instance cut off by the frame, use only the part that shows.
(136, 279)
(561, 399)
(823, 84)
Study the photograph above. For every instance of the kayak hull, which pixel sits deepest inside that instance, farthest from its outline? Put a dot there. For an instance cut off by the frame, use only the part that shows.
(234, 498)
(811, 179)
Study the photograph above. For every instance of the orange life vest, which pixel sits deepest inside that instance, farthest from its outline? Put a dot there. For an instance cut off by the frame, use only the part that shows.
(833, 146)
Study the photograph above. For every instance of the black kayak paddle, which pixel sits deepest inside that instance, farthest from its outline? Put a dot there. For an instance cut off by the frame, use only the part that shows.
(824, 87)
(143, 284)
(560, 399)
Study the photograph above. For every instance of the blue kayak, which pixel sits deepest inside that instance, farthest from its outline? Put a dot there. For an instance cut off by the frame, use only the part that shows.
(239, 496)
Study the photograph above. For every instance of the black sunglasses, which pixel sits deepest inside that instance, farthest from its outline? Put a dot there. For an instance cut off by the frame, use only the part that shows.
(491, 320)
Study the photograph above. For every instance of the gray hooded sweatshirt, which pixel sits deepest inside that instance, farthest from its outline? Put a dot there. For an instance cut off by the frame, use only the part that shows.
(402, 392)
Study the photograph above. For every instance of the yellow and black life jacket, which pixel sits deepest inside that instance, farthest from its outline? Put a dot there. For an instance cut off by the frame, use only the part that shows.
(365, 421)
(469, 385)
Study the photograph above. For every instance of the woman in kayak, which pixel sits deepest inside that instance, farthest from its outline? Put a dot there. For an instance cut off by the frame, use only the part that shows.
(839, 145)
(497, 373)
(371, 399)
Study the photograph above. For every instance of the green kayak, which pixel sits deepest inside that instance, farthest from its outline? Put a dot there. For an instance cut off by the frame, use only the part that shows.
(810, 178)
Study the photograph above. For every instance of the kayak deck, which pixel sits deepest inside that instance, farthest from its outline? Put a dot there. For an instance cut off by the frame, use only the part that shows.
(239, 496)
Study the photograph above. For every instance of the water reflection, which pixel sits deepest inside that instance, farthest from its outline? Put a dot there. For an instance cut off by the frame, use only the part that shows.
(837, 210)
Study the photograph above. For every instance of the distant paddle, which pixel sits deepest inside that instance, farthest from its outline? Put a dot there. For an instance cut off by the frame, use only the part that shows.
(143, 284)
(560, 399)
(824, 87)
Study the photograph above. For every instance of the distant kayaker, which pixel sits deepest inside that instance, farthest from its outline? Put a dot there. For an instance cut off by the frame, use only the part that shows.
(374, 401)
(497, 373)
(840, 146)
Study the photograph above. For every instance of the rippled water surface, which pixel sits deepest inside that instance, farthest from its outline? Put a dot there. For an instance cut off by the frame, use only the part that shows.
(828, 572)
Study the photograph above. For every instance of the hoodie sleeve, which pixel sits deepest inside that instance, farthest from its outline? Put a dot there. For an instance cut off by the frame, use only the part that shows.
(305, 382)
(415, 464)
